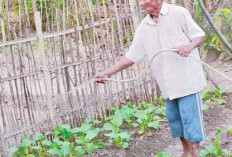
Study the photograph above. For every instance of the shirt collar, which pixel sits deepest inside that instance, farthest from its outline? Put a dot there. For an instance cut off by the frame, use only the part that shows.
(163, 11)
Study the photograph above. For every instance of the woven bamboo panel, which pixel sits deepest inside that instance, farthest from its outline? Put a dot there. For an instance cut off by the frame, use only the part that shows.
(79, 38)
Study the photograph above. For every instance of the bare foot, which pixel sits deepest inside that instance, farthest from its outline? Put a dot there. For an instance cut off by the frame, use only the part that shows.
(194, 149)
(186, 148)
(186, 155)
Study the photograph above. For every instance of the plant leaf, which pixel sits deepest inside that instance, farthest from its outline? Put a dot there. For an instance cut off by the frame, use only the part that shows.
(27, 142)
(135, 124)
(38, 148)
(150, 108)
(94, 2)
(209, 149)
(117, 120)
(80, 151)
(46, 142)
(125, 135)
(141, 131)
(163, 154)
(125, 144)
(108, 126)
(219, 101)
(99, 144)
(154, 124)
(92, 134)
(156, 118)
(205, 107)
(63, 130)
(57, 141)
(203, 153)
(225, 152)
(38, 137)
(12, 150)
(89, 147)
(54, 151)
(113, 108)
(66, 148)
(76, 130)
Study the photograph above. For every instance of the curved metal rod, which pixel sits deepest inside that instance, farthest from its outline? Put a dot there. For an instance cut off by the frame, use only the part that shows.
(221, 36)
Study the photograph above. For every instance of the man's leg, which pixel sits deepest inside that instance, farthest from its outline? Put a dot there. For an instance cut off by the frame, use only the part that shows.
(194, 148)
(186, 148)
(192, 120)
(175, 123)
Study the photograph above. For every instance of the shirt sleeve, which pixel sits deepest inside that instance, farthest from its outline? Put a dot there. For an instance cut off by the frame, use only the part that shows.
(190, 27)
(136, 52)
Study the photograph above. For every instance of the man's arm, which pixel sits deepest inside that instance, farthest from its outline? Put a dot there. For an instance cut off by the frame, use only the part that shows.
(187, 49)
(192, 30)
(122, 64)
(134, 55)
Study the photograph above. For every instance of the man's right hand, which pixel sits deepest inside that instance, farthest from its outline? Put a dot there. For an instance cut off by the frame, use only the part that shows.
(100, 77)
(122, 64)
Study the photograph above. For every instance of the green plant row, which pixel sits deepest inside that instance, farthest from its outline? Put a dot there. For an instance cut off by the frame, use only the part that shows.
(215, 96)
(67, 141)
(63, 141)
(215, 150)
(85, 139)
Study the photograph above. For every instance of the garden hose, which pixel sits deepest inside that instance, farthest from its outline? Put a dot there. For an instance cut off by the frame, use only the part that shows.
(167, 50)
(218, 32)
(92, 80)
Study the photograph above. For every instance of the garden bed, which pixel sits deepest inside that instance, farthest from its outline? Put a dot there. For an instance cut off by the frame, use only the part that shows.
(149, 144)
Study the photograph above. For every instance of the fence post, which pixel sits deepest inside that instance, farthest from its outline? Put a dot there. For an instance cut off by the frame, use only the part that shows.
(135, 17)
(118, 18)
(47, 80)
(2, 145)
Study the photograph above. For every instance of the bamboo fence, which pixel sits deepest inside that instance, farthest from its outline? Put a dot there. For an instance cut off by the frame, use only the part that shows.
(50, 49)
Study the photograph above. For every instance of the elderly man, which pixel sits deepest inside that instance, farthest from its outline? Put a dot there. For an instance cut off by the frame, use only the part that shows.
(180, 78)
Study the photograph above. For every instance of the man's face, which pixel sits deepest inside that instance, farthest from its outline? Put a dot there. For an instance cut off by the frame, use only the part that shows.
(150, 6)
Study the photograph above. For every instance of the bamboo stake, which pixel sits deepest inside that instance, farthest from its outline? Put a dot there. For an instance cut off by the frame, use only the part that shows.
(118, 24)
(135, 17)
(50, 112)
(57, 76)
(2, 144)
(47, 16)
(77, 36)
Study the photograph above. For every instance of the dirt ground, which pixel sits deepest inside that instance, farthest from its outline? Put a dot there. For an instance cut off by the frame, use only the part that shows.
(152, 142)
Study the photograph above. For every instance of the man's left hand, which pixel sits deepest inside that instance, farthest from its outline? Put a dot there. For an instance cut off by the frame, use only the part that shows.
(184, 50)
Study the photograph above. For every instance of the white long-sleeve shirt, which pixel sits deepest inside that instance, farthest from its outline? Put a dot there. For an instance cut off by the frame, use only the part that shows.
(177, 76)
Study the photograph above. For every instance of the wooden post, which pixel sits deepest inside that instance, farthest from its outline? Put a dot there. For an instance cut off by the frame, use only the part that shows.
(47, 80)
(134, 7)
(118, 19)
(2, 144)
